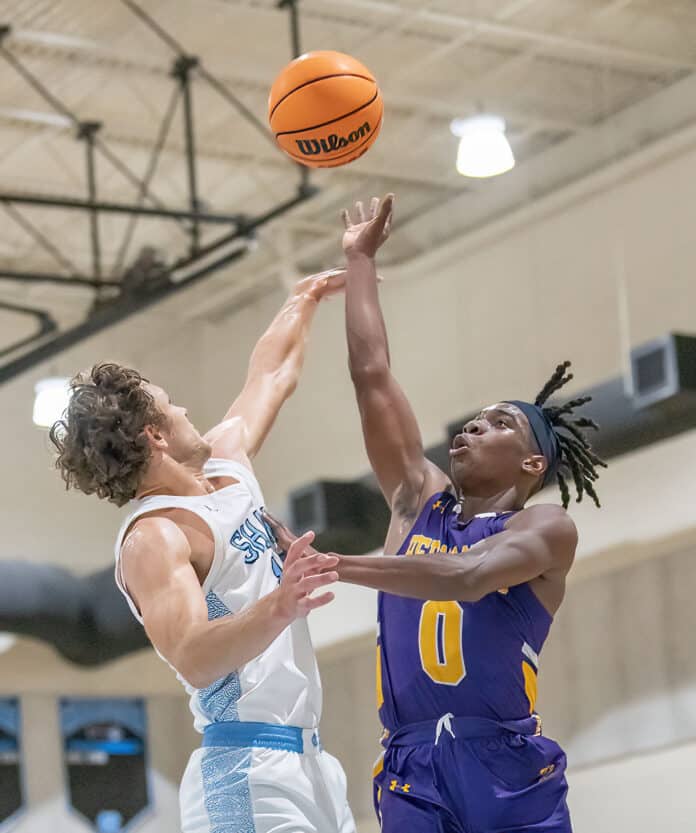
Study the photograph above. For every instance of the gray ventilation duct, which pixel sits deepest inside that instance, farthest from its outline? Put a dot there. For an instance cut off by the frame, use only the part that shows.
(86, 619)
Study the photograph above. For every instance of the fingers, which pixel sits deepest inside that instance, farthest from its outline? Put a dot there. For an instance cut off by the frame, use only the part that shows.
(388, 224)
(316, 563)
(336, 280)
(310, 603)
(297, 549)
(345, 216)
(283, 535)
(374, 207)
(329, 273)
(360, 211)
(334, 286)
(335, 271)
(386, 209)
(274, 523)
(311, 583)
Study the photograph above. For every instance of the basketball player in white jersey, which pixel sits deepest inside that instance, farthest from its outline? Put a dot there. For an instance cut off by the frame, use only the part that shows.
(199, 569)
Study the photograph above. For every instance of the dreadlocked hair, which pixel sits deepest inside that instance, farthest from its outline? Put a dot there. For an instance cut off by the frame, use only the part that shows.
(576, 459)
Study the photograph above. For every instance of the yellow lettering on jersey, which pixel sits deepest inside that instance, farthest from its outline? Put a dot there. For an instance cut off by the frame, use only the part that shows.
(422, 545)
(530, 685)
(419, 545)
(378, 677)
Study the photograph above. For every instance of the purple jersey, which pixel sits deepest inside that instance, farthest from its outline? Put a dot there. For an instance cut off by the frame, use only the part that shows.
(471, 659)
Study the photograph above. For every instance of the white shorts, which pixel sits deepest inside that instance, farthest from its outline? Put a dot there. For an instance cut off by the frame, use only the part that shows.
(257, 790)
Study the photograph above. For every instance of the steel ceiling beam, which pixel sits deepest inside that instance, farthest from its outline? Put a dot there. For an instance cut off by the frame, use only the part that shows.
(50, 277)
(45, 321)
(73, 203)
(149, 288)
(124, 307)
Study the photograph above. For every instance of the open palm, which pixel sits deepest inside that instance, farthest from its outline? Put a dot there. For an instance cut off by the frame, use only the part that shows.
(365, 234)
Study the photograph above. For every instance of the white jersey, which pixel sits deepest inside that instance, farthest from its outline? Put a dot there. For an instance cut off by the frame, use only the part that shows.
(282, 684)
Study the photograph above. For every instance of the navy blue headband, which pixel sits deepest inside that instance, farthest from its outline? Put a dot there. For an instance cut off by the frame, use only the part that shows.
(545, 436)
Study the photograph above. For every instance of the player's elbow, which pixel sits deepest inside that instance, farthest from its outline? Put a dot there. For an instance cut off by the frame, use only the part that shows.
(193, 671)
(471, 583)
(468, 588)
(198, 679)
(371, 373)
(189, 661)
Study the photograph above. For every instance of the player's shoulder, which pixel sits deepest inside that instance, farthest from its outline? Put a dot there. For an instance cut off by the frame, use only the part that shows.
(542, 514)
(157, 532)
(553, 523)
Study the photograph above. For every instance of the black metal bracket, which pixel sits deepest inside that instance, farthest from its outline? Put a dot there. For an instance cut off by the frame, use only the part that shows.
(182, 70)
(125, 293)
(87, 132)
(45, 321)
(291, 6)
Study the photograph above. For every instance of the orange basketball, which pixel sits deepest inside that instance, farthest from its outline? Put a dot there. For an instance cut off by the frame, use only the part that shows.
(325, 109)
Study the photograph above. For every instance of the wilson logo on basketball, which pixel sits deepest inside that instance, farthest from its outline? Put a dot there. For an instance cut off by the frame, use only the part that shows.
(333, 142)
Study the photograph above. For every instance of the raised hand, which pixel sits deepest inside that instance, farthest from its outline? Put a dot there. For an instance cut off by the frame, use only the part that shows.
(304, 571)
(323, 284)
(365, 234)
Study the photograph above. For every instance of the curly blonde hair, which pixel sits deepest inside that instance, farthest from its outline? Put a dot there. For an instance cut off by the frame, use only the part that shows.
(101, 441)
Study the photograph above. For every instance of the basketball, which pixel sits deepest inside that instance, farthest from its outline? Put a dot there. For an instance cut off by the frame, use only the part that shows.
(325, 109)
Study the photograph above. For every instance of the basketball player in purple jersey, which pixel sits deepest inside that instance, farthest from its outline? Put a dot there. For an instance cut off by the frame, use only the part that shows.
(460, 636)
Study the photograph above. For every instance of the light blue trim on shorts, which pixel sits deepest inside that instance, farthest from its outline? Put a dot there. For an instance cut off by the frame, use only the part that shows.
(227, 795)
(248, 734)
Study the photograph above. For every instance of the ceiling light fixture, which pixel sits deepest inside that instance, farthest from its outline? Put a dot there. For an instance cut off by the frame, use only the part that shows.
(52, 396)
(483, 147)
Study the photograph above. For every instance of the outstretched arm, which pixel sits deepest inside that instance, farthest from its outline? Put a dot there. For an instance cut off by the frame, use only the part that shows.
(392, 437)
(274, 370)
(538, 542)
